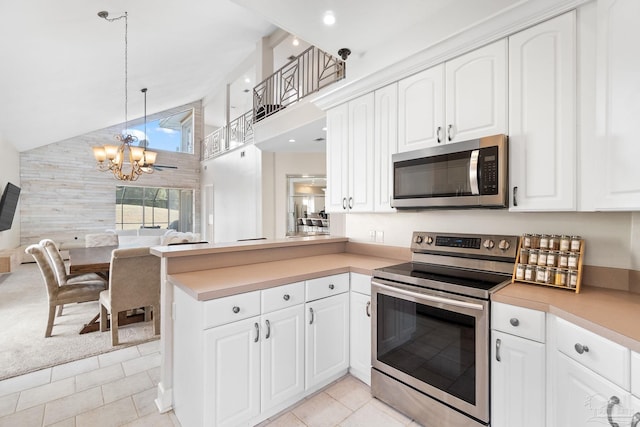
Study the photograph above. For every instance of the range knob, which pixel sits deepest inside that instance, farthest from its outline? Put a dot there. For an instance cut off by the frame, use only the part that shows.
(418, 239)
(429, 240)
(504, 245)
(488, 244)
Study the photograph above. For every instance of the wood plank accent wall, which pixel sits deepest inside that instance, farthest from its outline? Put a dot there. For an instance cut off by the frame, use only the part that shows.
(64, 196)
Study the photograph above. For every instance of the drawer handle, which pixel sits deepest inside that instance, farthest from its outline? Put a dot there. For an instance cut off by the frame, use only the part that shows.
(498, 343)
(236, 309)
(367, 309)
(331, 286)
(581, 348)
(613, 400)
(514, 321)
(635, 419)
(311, 312)
(266, 337)
(257, 332)
(286, 297)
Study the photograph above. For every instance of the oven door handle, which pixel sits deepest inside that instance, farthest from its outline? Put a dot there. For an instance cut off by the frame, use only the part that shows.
(433, 298)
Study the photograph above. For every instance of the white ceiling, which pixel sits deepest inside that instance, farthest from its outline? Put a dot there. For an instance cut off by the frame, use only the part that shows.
(62, 67)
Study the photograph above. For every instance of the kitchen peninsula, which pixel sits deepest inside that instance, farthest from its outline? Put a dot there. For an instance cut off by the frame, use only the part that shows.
(199, 275)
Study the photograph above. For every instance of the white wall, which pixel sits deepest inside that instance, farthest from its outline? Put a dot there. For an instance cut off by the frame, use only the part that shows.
(10, 172)
(292, 164)
(609, 240)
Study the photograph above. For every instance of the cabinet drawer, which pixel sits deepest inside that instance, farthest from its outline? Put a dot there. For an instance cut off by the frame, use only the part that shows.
(326, 286)
(519, 321)
(599, 354)
(635, 373)
(361, 283)
(230, 309)
(282, 297)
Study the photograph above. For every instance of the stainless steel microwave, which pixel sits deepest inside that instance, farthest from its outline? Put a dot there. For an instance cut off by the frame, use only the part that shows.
(469, 174)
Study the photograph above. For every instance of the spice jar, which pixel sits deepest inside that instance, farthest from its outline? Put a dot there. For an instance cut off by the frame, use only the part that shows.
(565, 243)
(529, 273)
(552, 258)
(520, 271)
(535, 241)
(572, 261)
(524, 256)
(544, 241)
(541, 274)
(554, 242)
(560, 277)
(575, 243)
(542, 257)
(563, 260)
(572, 280)
(533, 256)
(526, 241)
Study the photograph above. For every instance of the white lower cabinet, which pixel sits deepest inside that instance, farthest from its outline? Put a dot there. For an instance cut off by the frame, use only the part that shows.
(232, 373)
(360, 329)
(327, 340)
(518, 367)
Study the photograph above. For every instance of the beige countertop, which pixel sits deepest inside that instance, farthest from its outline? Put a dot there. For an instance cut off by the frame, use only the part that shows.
(612, 314)
(219, 282)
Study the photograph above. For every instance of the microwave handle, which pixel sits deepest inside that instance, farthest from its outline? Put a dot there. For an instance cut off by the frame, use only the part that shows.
(473, 172)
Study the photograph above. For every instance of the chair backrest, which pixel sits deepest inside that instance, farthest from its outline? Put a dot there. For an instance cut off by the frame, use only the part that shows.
(134, 278)
(172, 236)
(48, 275)
(100, 239)
(57, 263)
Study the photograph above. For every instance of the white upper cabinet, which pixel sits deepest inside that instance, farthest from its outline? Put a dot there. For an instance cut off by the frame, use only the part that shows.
(464, 98)
(542, 116)
(385, 144)
(617, 105)
(476, 93)
(421, 109)
(337, 158)
(360, 165)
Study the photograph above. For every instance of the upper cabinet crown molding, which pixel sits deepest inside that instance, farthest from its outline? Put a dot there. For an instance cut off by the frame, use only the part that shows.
(518, 18)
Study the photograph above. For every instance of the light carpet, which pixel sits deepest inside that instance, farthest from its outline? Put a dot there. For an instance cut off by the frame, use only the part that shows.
(23, 320)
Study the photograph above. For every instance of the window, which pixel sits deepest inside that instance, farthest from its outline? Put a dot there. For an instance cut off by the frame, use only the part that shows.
(172, 133)
(149, 207)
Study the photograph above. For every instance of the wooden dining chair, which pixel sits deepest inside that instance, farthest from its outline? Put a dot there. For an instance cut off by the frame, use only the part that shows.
(60, 295)
(60, 269)
(134, 282)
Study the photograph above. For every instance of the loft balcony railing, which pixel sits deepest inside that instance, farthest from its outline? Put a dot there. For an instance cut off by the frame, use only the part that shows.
(309, 72)
(238, 132)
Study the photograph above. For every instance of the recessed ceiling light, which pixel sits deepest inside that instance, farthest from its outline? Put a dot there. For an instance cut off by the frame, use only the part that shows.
(324, 128)
(292, 140)
(329, 18)
(247, 80)
(295, 41)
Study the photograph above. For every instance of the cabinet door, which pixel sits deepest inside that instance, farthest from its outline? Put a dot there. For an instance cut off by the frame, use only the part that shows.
(386, 144)
(618, 105)
(337, 159)
(583, 397)
(542, 117)
(361, 154)
(476, 93)
(282, 356)
(421, 110)
(517, 381)
(360, 332)
(232, 373)
(327, 339)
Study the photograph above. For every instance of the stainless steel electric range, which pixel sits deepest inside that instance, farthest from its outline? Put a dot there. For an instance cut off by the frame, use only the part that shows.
(431, 331)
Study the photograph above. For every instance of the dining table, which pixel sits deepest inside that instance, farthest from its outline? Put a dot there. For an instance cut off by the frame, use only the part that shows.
(97, 260)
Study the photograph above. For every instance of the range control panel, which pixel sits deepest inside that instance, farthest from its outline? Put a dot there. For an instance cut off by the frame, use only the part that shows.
(467, 245)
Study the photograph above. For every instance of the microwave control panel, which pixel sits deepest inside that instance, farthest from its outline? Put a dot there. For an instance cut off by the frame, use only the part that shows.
(488, 170)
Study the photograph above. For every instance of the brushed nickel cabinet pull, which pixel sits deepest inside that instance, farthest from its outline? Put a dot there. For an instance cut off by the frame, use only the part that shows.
(498, 344)
(438, 134)
(311, 312)
(581, 348)
(515, 196)
(613, 400)
(368, 309)
(266, 337)
(257, 332)
(449, 132)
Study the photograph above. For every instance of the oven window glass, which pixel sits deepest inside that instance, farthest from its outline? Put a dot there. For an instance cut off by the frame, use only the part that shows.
(433, 345)
(439, 176)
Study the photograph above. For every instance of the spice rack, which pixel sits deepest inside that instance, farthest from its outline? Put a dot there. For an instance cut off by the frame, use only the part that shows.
(534, 269)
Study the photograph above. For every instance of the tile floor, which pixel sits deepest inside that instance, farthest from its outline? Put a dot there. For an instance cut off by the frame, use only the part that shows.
(119, 388)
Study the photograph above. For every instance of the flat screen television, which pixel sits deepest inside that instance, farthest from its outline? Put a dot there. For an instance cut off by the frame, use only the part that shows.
(8, 205)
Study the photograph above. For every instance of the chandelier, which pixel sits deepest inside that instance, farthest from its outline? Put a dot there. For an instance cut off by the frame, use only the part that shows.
(126, 160)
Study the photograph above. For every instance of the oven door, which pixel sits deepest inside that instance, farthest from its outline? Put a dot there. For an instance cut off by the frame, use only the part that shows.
(435, 342)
